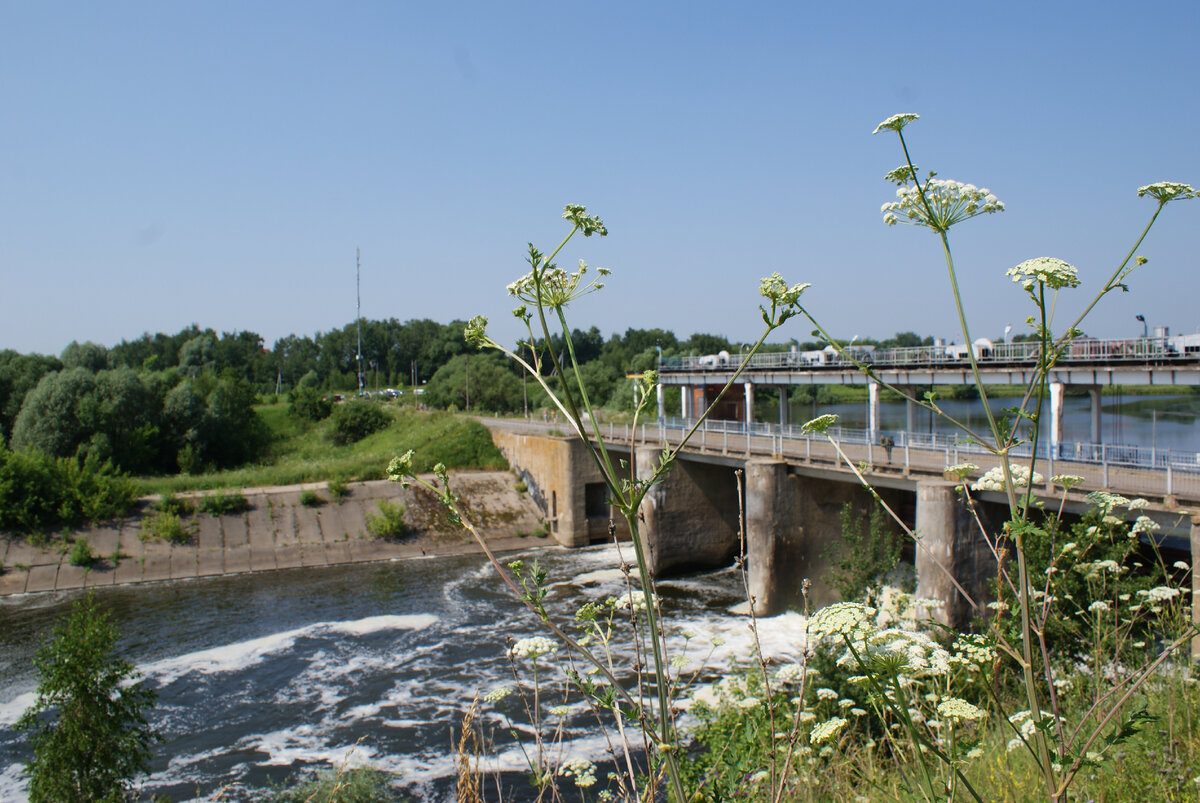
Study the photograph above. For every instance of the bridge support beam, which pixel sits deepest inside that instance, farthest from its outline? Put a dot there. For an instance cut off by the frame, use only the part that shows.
(1056, 416)
(685, 401)
(690, 518)
(658, 400)
(1094, 396)
(950, 545)
(749, 389)
(873, 410)
(783, 406)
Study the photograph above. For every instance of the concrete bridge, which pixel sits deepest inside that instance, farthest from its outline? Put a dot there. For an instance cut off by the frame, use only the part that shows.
(789, 503)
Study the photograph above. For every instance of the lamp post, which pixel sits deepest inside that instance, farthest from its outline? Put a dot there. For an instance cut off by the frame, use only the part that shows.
(1145, 326)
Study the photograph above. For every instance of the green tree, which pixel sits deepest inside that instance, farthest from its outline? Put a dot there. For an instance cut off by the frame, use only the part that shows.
(88, 723)
(493, 386)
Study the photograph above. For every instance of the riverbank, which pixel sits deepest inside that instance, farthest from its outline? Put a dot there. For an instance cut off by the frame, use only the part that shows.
(276, 532)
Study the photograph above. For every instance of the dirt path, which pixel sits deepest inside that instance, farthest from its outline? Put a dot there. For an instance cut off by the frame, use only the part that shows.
(276, 532)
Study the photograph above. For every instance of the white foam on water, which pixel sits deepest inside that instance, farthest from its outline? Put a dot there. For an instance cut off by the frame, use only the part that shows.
(306, 743)
(600, 577)
(12, 710)
(245, 654)
(14, 786)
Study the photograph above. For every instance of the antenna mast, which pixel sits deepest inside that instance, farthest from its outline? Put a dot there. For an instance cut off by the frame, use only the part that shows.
(358, 317)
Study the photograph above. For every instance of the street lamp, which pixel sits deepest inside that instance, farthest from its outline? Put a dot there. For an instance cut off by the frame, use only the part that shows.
(1145, 326)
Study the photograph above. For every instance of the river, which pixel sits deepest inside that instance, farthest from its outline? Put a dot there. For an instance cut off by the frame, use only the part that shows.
(262, 675)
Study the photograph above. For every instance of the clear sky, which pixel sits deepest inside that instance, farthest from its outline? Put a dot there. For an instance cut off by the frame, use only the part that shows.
(163, 163)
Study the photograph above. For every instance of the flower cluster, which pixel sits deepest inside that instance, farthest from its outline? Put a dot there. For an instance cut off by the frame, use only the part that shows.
(939, 204)
(819, 424)
(1051, 272)
(551, 286)
(401, 468)
(785, 300)
(956, 709)
(993, 480)
(896, 122)
(582, 770)
(840, 618)
(533, 647)
(588, 224)
(1067, 481)
(826, 730)
(961, 471)
(1165, 191)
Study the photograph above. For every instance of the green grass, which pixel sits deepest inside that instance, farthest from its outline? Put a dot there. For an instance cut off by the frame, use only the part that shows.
(301, 452)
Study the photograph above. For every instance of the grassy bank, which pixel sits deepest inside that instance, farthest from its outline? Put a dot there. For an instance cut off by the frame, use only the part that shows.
(303, 452)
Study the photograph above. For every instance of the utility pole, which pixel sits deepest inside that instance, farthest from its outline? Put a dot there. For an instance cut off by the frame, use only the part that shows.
(358, 318)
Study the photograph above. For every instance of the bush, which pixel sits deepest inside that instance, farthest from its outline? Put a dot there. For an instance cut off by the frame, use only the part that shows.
(82, 750)
(170, 503)
(38, 491)
(388, 522)
(308, 405)
(165, 526)
(337, 489)
(311, 499)
(81, 553)
(355, 420)
(358, 785)
(219, 503)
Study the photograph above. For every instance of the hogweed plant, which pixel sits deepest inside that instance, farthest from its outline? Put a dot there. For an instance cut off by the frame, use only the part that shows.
(544, 293)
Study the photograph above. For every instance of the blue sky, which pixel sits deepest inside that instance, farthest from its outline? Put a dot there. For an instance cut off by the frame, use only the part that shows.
(219, 162)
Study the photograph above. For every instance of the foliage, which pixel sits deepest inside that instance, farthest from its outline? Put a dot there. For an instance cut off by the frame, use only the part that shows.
(19, 374)
(388, 522)
(175, 505)
(355, 785)
(309, 404)
(337, 489)
(88, 725)
(166, 526)
(866, 554)
(81, 553)
(481, 383)
(355, 420)
(222, 503)
(310, 498)
(38, 491)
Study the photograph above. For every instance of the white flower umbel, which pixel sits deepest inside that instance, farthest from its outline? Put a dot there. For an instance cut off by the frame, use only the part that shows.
(944, 203)
(1165, 191)
(554, 287)
(840, 618)
(993, 480)
(954, 708)
(1049, 271)
(826, 730)
(533, 647)
(582, 770)
(896, 122)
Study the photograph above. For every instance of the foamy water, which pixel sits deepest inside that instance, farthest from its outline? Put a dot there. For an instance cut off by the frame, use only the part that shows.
(260, 677)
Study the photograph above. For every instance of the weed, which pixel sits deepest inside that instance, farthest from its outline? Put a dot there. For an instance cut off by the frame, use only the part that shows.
(81, 553)
(337, 489)
(170, 503)
(388, 522)
(166, 527)
(222, 503)
(311, 498)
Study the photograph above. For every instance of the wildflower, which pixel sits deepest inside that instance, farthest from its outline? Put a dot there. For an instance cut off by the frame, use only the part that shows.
(826, 694)
(975, 753)
(960, 471)
(1099, 606)
(898, 121)
(1183, 567)
(631, 600)
(475, 332)
(551, 286)
(560, 710)
(582, 770)
(1144, 524)
(749, 702)
(826, 730)
(1166, 191)
(998, 605)
(1160, 593)
(1049, 271)
(839, 618)
(901, 175)
(776, 290)
(1013, 744)
(533, 647)
(847, 703)
(1067, 481)
(939, 203)
(993, 480)
(819, 424)
(1107, 501)
(790, 673)
(400, 468)
(679, 661)
(497, 694)
(806, 717)
(1069, 547)
(954, 708)
(1138, 504)
(858, 712)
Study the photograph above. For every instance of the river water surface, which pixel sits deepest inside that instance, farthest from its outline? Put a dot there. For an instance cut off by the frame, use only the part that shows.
(260, 676)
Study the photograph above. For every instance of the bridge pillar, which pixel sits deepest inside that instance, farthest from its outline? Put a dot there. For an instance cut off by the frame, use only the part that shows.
(658, 400)
(1056, 416)
(873, 410)
(910, 413)
(690, 518)
(783, 406)
(950, 545)
(1094, 395)
(749, 388)
(774, 538)
(685, 401)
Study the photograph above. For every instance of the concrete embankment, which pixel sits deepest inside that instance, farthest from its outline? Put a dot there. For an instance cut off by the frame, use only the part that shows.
(276, 532)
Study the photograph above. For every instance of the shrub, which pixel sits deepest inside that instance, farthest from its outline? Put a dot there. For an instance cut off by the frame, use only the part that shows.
(308, 405)
(38, 491)
(170, 503)
(388, 522)
(165, 526)
(81, 553)
(219, 503)
(355, 420)
(311, 499)
(357, 785)
(83, 750)
(337, 489)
